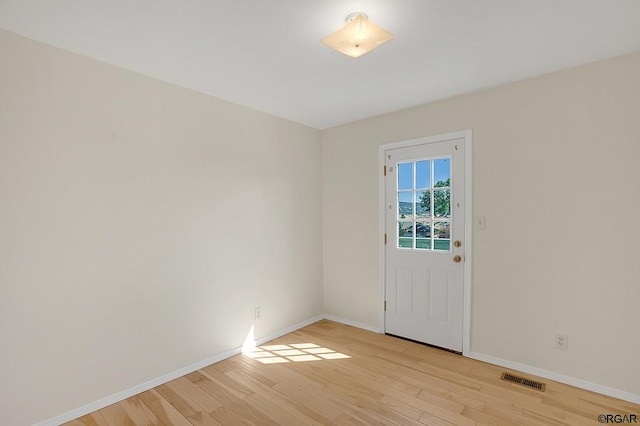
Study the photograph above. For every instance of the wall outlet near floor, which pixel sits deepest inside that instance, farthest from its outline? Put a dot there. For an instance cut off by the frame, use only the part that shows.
(562, 341)
(257, 313)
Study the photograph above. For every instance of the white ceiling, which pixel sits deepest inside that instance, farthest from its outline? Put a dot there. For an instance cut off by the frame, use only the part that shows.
(267, 55)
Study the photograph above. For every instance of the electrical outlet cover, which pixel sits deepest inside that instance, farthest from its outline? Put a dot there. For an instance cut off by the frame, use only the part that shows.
(562, 342)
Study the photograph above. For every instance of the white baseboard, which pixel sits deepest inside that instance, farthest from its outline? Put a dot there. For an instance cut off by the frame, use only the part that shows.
(127, 393)
(582, 384)
(356, 324)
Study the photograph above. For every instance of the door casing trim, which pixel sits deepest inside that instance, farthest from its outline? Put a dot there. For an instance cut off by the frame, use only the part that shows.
(468, 234)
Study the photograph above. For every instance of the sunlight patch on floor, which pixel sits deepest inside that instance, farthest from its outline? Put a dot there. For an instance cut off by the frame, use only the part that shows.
(295, 352)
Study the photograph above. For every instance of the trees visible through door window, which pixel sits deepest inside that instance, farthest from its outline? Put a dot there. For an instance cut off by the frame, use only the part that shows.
(424, 204)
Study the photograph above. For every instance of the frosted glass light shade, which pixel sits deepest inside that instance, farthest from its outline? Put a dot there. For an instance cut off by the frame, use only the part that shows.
(358, 36)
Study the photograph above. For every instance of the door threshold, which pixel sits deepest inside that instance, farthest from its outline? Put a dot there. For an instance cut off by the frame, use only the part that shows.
(425, 344)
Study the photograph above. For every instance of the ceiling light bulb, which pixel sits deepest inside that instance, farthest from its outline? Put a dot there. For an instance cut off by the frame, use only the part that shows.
(358, 36)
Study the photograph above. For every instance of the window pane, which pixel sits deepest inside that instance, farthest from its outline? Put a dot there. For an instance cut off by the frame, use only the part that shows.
(423, 243)
(423, 230)
(405, 234)
(405, 243)
(405, 176)
(442, 172)
(405, 229)
(423, 174)
(423, 203)
(441, 245)
(423, 235)
(405, 205)
(442, 233)
(442, 229)
(442, 203)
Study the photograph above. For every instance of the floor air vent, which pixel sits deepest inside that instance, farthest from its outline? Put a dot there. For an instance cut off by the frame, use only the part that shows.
(523, 382)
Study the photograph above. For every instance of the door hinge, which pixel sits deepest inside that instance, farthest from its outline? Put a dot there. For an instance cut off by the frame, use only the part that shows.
(385, 238)
(384, 169)
(385, 305)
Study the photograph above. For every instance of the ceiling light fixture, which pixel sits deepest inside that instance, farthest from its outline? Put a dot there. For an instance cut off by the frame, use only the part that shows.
(358, 36)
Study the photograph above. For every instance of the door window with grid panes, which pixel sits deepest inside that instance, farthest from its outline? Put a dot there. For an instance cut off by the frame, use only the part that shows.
(424, 204)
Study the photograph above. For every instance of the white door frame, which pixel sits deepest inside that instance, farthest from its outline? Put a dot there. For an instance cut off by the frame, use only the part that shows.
(467, 136)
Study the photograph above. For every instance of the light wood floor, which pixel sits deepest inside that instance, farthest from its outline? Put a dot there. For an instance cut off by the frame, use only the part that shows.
(328, 373)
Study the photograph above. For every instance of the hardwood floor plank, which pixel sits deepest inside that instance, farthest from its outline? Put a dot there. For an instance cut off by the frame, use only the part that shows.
(378, 382)
(301, 412)
(511, 414)
(297, 393)
(202, 419)
(542, 419)
(163, 409)
(329, 403)
(202, 399)
(575, 420)
(207, 385)
(92, 419)
(139, 412)
(116, 415)
(598, 404)
(225, 382)
(431, 420)
(418, 378)
(384, 413)
(461, 395)
(230, 400)
(183, 405)
(346, 420)
(444, 414)
(224, 416)
(249, 414)
(275, 412)
(483, 418)
(252, 370)
(401, 407)
(379, 379)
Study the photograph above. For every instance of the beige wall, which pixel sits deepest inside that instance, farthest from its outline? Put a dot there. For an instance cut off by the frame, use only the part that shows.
(140, 224)
(556, 172)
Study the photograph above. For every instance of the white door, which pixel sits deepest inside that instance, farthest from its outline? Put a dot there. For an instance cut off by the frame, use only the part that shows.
(424, 194)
